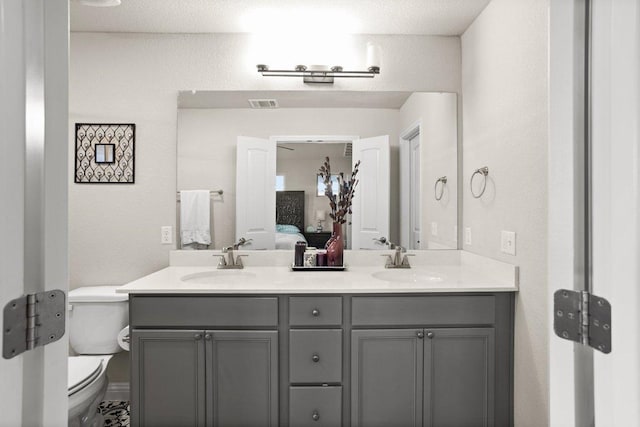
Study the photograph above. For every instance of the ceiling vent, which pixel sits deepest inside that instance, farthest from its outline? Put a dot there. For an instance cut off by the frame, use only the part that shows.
(348, 149)
(263, 103)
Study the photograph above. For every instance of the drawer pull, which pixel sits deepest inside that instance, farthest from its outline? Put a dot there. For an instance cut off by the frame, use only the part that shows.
(315, 358)
(315, 312)
(420, 335)
(430, 335)
(207, 337)
(315, 415)
(198, 337)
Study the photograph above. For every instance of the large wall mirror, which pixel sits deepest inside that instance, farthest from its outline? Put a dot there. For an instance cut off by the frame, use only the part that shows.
(267, 159)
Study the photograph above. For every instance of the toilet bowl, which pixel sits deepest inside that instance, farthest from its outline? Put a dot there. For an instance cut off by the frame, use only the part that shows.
(97, 315)
(87, 384)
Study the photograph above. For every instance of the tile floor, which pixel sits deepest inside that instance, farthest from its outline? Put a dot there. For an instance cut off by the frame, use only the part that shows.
(115, 412)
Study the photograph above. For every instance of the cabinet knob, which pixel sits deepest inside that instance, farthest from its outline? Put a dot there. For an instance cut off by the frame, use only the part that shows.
(315, 358)
(198, 336)
(420, 334)
(430, 335)
(315, 415)
(315, 312)
(207, 337)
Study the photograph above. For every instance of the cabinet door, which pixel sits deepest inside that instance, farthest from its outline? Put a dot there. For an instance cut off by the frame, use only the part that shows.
(386, 378)
(459, 377)
(168, 378)
(242, 378)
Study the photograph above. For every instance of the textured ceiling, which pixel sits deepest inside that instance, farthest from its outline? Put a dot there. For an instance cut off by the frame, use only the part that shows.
(423, 17)
(293, 99)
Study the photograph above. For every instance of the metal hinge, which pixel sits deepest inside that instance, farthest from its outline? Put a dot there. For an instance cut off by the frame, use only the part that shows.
(582, 317)
(32, 321)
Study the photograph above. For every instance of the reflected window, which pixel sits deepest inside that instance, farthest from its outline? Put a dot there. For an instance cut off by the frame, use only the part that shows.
(279, 182)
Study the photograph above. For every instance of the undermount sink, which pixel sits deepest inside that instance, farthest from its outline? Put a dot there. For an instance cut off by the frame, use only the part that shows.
(217, 277)
(407, 276)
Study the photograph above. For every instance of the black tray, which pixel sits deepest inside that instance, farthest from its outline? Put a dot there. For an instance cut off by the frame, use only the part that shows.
(317, 268)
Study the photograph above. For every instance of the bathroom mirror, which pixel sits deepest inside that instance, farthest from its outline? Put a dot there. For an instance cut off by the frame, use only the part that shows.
(421, 199)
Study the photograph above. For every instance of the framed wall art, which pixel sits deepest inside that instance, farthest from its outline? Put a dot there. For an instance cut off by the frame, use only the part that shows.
(105, 153)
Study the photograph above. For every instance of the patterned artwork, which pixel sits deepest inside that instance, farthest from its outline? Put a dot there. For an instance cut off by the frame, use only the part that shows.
(115, 413)
(105, 153)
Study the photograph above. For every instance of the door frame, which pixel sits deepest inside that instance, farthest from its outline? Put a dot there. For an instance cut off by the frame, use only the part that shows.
(34, 194)
(413, 130)
(587, 387)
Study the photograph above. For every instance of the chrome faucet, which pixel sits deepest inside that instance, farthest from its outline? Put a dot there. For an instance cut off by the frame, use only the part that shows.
(231, 261)
(398, 259)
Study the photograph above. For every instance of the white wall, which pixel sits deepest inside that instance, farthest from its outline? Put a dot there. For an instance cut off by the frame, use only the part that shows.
(207, 147)
(438, 118)
(114, 229)
(505, 97)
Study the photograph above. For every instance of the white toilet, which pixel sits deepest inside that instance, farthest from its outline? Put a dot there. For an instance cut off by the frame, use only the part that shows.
(96, 315)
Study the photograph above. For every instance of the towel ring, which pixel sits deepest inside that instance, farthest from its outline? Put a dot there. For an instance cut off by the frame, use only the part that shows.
(484, 171)
(443, 180)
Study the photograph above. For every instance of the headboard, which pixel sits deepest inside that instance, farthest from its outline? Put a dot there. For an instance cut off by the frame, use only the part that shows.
(290, 208)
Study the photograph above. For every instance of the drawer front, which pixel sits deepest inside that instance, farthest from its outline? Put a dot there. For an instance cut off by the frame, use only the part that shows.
(315, 406)
(424, 310)
(202, 311)
(311, 311)
(315, 356)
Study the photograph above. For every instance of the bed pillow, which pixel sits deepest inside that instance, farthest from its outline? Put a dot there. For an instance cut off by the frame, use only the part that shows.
(287, 228)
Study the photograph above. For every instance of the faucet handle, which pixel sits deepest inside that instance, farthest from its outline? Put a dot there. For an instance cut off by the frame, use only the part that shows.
(222, 262)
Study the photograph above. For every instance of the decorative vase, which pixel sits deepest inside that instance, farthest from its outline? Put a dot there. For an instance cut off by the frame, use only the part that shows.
(335, 247)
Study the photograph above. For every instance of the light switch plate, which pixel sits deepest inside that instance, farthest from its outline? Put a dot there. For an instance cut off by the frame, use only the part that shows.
(508, 242)
(467, 235)
(434, 228)
(166, 235)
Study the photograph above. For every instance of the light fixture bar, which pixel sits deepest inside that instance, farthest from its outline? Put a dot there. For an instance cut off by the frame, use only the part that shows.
(318, 75)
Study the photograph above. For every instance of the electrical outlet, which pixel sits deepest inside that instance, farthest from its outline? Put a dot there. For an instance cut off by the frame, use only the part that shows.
(166, 235)
(508, 242)
(467, 235)
(434, 228)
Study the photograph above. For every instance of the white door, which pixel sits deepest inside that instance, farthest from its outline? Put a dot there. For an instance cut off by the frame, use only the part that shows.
(256, 192)
(33, 198)
(588, 387)
(415, 194)
(371, 200)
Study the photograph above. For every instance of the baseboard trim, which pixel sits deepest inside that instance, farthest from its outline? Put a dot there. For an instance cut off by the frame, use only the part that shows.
(117, 391)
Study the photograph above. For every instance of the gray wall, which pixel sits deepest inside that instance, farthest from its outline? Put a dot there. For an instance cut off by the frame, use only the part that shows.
(505, 95)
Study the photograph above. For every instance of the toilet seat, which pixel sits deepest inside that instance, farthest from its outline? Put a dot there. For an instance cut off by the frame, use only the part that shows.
(82, 371)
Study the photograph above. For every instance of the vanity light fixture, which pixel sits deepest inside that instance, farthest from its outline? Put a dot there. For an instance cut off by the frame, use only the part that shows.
(325, 73)
(318, 73)
(100, 3)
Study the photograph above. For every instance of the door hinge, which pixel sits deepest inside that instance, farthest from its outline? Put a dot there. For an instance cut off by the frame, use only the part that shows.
(32, 321)
(582, 317)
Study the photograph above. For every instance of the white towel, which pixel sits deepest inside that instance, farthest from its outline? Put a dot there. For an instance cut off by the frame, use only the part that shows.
(194, 217)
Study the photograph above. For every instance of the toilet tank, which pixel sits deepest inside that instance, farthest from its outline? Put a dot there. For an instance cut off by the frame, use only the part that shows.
(96, 315)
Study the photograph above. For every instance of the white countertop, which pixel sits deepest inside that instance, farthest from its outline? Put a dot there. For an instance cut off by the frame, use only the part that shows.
(457, 271)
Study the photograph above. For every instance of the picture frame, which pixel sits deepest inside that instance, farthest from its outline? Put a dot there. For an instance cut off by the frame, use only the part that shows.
(105, 153)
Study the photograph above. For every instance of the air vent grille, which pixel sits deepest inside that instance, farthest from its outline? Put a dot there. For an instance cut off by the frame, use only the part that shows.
(348, 149)
(263, 103)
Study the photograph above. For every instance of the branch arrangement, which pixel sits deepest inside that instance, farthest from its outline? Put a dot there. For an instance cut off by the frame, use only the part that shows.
(340, 204)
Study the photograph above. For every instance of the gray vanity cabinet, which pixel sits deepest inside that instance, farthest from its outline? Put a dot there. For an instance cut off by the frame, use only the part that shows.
(423, 377)
(242, 378)
(204, 361)
(168, 388)
(386, 378)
